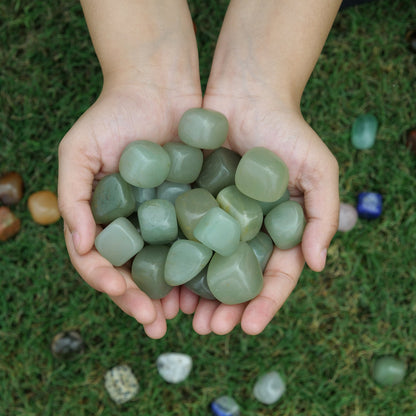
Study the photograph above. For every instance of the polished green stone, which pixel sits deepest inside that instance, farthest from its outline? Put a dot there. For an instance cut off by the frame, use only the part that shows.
(262, 246)
(245, 210)
(363, 132)
(262, 175)
(219, 231)
(148, 271)
(199, 285)
(190, 207)
(171, 190)
(388, 371)
(285, 224)
(143, 194)
(144, 164)
(268, 206)
(186, 162)
(218, 170)
(236, 278)
(202, 128)
(185, 260)
(112, 198)
(157, 219)
(119, 241)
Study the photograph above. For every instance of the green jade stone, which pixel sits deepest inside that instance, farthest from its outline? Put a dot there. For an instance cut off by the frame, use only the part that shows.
(119, 241)
(218, 170)
(204, 129)
(388, 371)
(157, 220)
(245, 210)
(112, 198)
(171, 190)
(185, 260)
(190, 207)
(199, 285)
(144, 164)
(236, 278)
(268, 206)
(363, 132)
(219, 231)
(143, 194)
(285, 224)
(262, 246)
(262, 175)
(148, 271)
(186, 162)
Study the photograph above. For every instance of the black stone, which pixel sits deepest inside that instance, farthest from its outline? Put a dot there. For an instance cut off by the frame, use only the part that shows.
(67, 344)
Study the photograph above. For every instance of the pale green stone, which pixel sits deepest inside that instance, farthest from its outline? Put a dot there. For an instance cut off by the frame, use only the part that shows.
(199, 285)
(171, 190)
(144, 164)
(142, 195)
(388, 371)
(245, 210)
(363, 132)
(268, 206)
(185, 260)
(202, 128)
(285, 224)
(262, 175)
(119, 241)
(148, 271)
(262, 246)
(236, 278)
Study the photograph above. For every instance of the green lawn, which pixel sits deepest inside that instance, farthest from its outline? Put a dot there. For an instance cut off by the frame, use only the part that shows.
(335, 323)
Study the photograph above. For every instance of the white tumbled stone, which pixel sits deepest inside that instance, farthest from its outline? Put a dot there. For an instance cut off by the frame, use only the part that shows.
(269, 388)
(174, 367)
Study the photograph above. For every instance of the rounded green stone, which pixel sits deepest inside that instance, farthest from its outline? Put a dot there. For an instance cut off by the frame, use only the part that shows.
(262, 246)
(363, 132)
(388, 371)
(143, 194)
(262, 175)
(199, 285)
(171, 190)
(268, 206)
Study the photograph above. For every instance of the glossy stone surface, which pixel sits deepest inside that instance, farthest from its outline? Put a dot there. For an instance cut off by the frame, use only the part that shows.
(363, 132)
(245, 210)
(202, 128)
(268, 206)
(348, 217)
(171, 190)
(262, 175)
(388, 371)
(142, 195)
(67, 344)
(190, 207)
(225, 406)
(144, 164)
(121, 384)
(186, 162)
(199, 285)
(369, 205)
(219, 231)
(411, 140)
(9, 224)
(174, 367)
(157, 219)
(148, 271)
(43, 207)
(218, 170)
(11, 188)
(269, 388)
(262, 246)
(236, 278)
(185, 260)
(112, 198)
(285, 224)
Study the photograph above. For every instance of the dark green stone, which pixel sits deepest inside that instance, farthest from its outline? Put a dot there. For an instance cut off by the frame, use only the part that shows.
(142, 195)
(262, 246)
(171, 190)
(268, 206)
(199, 285)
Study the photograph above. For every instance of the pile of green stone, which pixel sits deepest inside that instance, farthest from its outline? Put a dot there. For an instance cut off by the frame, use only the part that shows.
(195, 221)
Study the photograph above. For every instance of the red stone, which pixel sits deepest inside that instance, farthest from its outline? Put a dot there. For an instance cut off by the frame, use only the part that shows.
(11, 188)
(9, 224)
(411, 140)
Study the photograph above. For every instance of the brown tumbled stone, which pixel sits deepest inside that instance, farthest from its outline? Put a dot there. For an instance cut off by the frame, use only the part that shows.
(11, 188)
(43, 206)
(411, 140)
(9, 224)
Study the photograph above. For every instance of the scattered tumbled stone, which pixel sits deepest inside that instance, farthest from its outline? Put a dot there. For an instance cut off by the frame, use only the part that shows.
(369, 205)
(411, 140)
(225, 406)
(364, 130)
(121, 384)
(9, 224)
(348, 217)
(174, 367)
(388, 371)
(269, 388)
(11, 188)
(67, 344)
(43, 206)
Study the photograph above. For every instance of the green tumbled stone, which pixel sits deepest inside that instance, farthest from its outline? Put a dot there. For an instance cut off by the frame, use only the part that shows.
(157, 220)
(119, 241)
(262, 175)
(245, 210)
(218, 170)
(144, 164)
(268, 206)
(112, 198)
(148, 271)
(143, 194)
(262, 246)
(186, 162)
(285, 224)
(363, 132)
(171, 190)
(199, 285)
(236, 278)
(185, 260)
(190, 207)
(204, 129)
(388, 371)
(219, 231)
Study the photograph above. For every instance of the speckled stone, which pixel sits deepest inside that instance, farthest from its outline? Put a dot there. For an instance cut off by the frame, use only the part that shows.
(43, 206)
(9, 224)
(269, 388)
(174, 367)
(67, 344)
(348, 217)
(121, 384)
(11, 188)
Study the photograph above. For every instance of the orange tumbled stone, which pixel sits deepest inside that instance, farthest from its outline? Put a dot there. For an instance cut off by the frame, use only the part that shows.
(43, 206)
(9, 224)
(11, 188)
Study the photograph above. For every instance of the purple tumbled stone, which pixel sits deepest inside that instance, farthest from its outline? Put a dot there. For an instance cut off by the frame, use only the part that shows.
(348, 217)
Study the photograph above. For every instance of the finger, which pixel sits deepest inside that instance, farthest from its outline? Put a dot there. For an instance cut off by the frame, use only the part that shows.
(226, 317)
(156, 329)
(188, 300)
(170, 303)
(203, 314)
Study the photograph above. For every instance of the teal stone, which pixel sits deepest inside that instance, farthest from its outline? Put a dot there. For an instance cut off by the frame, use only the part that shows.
(285, 224)
(112, 198)
(388, 371)
(268, 206)
(363, 132)
(119, 241)
(236, 278)
(157, 220)
(148, 271)
(218, 170)
(262, 175)
(142, 195)
(144, 164)
(171, 190)
(199, 285)
(202, 128)
(185, 260)
(219, 231)
(262, 246)
(186, 162)
(245, 210)
(190, 207)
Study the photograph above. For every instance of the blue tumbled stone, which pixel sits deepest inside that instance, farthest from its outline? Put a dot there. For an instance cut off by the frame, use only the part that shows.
(225, 406)
(369, 205)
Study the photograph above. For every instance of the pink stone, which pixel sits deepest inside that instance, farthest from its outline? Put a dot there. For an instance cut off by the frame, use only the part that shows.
(347, 217)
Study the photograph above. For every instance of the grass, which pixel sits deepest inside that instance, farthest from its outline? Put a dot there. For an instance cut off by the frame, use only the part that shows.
(334, 325)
